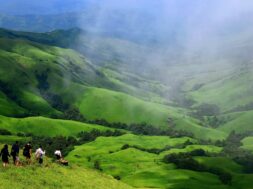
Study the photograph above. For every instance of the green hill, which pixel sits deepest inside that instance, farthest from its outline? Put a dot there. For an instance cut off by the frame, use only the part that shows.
(139, 166)
(42, 126)
(55, 176)
(239, 122)
(45, 84)
(50, 81)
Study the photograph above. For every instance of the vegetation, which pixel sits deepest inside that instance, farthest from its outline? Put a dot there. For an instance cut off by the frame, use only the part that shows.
(34, 176)
(186, 161)
(120, 123)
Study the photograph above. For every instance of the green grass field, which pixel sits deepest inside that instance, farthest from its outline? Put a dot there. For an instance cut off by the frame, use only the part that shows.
(55, 176)
(223, 85)
(240, 122)
(118, 107)
(39, 79)
(42, 126)
(247, 143)
(140, 168)
(207, 148)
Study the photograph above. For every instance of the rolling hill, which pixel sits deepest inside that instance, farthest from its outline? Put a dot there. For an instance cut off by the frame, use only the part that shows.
(49, 88)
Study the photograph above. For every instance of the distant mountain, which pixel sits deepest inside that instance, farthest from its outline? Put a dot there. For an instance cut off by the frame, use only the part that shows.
(39, 23)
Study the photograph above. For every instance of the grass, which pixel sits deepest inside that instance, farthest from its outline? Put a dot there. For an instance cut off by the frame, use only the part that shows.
(199, 131)
(176, 179)
(42, 126)
(104, 145)
(119, 107)
(109, 146)
(11, 139)
(54, 176)
(239, 122)
(8, 107)
(80, 83)
(247, 143)
(207, 148)
(223, 85)
(97, 103)
(223, 163)
(139, 168)
(117, 96)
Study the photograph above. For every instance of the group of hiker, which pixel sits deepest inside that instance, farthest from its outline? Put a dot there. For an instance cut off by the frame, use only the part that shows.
(27, 153)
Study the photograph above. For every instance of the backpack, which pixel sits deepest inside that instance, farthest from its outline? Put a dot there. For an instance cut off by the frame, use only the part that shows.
(25, 152)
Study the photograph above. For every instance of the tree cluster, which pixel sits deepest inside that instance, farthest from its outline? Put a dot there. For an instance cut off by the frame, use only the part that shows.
(186, 161)
(143, 129)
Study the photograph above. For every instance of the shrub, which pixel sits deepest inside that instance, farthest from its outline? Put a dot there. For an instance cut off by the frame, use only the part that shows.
(97, 165)
(186, 161)
(5, 132)
(125, 146)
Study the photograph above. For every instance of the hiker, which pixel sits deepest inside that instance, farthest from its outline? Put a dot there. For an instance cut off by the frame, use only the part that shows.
(39, 154)
(15, 153)
(27, 152)
(58, 154)
(5, 155)
(59, 158)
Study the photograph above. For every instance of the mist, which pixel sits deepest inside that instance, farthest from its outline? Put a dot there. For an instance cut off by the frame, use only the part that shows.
(166, 33)
(152, 38)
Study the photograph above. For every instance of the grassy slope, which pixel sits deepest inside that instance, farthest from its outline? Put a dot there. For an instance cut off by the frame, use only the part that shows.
(224, 85)
(199, 131)
(147, 170)
(239, 122)
(69, 75)
(114, 106)
(63, 67)
(118, 107)
(221, 163)
(247, 143)
(189, 148)
(142, 169)
(54, 176)
(8, 107)
(45, 126)
(239, 181)
(103, 145)
(139, 168)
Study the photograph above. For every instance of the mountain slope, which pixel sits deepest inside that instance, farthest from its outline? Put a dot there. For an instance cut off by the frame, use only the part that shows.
(41, 126)
(71, 177)
(51, 81)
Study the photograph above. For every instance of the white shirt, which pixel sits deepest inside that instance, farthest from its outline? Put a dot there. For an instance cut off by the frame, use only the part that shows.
(58, 153)
(39, 152)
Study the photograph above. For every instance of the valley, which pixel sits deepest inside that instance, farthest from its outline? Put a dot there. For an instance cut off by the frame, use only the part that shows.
(124, 129)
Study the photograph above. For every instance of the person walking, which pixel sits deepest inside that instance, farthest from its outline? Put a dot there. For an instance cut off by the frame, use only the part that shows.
(27, 152)
(5, 155)
(15, 153)
(58, 154)
(39, 154)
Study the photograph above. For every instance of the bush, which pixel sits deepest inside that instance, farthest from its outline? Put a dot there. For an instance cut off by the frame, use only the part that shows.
(206, 110)
(97, 165)
(92, 135)
(5, 132)
(225, 178)
(186, 161)
(198, 152)
(125, 146)
(143, 129)
(117, 177)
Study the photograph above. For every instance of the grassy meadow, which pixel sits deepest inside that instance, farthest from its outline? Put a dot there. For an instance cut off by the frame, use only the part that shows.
(50, 91)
